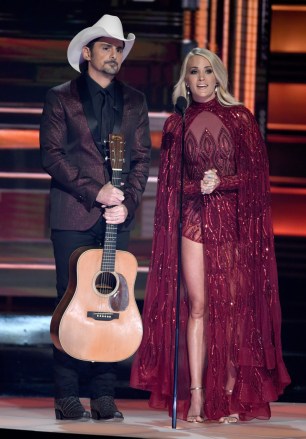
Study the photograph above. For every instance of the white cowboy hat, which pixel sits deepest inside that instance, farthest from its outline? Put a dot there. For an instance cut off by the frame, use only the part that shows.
(107, 26)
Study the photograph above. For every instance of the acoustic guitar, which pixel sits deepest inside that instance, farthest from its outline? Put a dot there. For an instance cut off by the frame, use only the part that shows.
(98, 318)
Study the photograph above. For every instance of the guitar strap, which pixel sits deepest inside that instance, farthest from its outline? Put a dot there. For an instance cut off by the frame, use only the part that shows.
(118, 107)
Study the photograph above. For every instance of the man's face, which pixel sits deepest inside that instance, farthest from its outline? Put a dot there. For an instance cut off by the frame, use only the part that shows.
(105, 56)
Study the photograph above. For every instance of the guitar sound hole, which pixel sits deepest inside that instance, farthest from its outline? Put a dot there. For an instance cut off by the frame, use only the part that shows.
(106, 283)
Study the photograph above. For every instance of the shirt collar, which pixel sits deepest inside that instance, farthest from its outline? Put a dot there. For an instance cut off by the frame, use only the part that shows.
(95, 88)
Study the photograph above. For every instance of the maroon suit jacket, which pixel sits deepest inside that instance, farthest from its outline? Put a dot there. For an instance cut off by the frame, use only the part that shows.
(69, 153)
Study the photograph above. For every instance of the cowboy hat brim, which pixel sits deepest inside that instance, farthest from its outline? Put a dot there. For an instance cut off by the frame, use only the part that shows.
(74, 52)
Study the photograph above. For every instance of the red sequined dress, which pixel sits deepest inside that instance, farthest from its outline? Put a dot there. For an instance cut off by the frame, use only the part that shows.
(234, 223)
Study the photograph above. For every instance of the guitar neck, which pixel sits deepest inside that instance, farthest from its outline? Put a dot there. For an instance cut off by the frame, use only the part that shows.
(110, 241)
(116, 177)
(109, 250)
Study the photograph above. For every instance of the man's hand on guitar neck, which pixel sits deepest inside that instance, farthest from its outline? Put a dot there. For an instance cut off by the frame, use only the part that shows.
(116, 214)
(109, 195)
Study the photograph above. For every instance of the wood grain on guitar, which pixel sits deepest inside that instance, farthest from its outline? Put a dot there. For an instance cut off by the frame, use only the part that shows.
(98, 317)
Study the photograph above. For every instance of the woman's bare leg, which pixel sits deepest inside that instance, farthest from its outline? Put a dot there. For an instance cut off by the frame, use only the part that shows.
(194, 278)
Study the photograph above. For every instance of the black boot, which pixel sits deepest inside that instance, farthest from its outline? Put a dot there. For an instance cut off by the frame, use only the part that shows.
(70, 408)
(105, 409)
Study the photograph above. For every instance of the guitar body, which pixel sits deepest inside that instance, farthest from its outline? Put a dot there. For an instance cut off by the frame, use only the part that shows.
(98, 317)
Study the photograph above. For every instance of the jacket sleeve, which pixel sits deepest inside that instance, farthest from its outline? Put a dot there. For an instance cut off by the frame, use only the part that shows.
(60, 152)
(137, 174)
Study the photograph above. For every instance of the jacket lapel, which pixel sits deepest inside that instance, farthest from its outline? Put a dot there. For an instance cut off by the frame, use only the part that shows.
(89, 111)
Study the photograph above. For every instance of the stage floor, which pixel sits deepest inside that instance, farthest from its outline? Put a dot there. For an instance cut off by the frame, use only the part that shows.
(34, 418)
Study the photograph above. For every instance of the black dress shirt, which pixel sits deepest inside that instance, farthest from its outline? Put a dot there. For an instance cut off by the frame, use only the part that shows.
(103, 100)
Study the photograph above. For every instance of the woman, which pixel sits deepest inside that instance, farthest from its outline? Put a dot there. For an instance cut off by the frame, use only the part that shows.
(230, 355)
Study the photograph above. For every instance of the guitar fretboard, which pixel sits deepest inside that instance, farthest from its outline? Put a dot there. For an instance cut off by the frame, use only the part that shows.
(109, 252)
(110, 240)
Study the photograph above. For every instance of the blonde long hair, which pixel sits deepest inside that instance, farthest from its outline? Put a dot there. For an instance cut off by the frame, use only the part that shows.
(222, 93)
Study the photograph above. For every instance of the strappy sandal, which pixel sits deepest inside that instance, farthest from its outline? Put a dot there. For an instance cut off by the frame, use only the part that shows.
(195, 418)
(232, 418)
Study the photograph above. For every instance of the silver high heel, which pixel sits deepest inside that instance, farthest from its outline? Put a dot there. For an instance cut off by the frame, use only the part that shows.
(196, 418)
(233, 418)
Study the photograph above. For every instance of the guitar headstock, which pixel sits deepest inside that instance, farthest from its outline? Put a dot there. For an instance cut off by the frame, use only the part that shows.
(116, 151)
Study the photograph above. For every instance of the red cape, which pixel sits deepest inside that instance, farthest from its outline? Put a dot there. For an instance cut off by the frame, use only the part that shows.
(239, 265)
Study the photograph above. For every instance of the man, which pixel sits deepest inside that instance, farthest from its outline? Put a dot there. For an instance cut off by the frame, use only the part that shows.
(77, 118)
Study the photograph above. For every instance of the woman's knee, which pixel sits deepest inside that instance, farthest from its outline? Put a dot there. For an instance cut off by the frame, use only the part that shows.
(197, 310)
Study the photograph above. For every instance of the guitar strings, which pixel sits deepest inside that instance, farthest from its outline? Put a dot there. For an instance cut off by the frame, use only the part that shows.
(108, 281)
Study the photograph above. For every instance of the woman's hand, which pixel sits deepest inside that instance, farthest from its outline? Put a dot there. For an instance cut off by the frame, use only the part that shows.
(210, 181)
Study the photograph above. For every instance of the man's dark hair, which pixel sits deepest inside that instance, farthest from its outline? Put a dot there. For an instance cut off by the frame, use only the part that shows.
(84, 64)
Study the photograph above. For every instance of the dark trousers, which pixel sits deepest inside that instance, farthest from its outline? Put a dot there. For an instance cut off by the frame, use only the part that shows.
(69, 373)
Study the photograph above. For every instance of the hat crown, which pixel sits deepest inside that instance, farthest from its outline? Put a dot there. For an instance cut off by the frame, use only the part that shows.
(111, 24)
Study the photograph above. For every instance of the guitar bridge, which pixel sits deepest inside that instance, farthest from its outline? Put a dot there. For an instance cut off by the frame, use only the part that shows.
(104, 316)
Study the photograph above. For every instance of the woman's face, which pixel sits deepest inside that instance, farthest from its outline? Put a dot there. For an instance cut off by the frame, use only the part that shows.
(200, 78)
